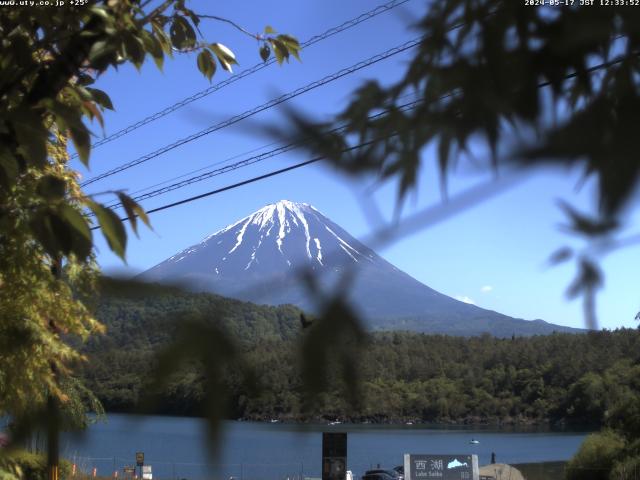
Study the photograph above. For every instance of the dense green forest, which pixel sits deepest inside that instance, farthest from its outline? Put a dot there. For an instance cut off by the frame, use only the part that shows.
(558, 378)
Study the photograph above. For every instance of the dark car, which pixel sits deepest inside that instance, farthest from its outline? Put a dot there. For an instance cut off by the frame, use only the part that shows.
(379, 474)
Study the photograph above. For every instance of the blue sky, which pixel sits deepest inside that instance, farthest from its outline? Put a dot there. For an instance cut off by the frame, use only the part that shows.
(493, 254)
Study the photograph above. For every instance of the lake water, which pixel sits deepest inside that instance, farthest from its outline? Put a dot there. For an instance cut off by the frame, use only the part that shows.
(176, 447)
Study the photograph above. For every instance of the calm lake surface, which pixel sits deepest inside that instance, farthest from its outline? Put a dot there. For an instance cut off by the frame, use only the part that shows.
(176, 447)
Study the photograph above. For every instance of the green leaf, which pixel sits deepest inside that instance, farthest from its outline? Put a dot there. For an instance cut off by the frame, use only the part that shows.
(84, 79)
(100, 11)
(585, 225)
(9, 169)
(51, 188)
(82, 239)
(83, 93)
(111, 226)
(289, 41)
(225, 56)
(63, 231)
(82, 141)
(92, 111)
(133, 211)
(20, 54)
(154, 47)
(162, 39)
(561, 255)
(291, 44)
(332, 343)
(206, 63)
(30, 134)
(192, 16)
(69, 119)
(52, 238)
(101, 98)
(265, 51)
(134, 49)
(102, 53)
(198, 342)
(177, 34)
(269, 29)
(182, 33)
(280, 50)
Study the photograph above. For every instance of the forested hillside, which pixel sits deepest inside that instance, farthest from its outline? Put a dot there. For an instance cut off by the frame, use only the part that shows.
(404, 376)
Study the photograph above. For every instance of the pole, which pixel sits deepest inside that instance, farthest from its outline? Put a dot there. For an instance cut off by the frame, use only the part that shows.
(53, 441)
(53, 446)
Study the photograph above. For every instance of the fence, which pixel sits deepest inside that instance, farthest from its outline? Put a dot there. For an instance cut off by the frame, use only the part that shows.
(114, 467)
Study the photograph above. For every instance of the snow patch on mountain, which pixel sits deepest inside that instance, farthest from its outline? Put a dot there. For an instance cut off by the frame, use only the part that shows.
(261, 256)
(319, 248)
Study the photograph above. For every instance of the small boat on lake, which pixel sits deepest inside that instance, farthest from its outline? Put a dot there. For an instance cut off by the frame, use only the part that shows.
(474, 442)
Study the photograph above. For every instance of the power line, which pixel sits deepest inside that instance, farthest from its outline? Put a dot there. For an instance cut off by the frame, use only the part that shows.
(246, 72)
(229, 159)
(230, 187)
(260, 108)
(248, 161)
(251, 180)
(192, 172)
(591, 69)
(213, 173)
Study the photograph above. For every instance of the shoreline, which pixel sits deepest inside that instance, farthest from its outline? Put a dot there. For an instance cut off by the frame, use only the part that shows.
(328, 421)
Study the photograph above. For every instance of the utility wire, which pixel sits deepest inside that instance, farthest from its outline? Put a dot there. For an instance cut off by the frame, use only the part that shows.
(592, 69)
(246, 72)
(245, 182)
(193, 172)
(260, 108)
(248, 161)
(227, 160)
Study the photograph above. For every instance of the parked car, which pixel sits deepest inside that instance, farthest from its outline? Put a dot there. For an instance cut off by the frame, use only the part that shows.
(379, 474)
(399, 469)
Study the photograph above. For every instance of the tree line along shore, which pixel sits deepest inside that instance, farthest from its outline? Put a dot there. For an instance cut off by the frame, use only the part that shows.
(556, 379)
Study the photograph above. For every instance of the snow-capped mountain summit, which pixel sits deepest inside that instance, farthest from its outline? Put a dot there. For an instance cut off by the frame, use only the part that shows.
(260, 258)
(279, 237)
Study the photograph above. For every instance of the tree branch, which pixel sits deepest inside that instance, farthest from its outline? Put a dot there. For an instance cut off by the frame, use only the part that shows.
(226, 20)
(157, 11)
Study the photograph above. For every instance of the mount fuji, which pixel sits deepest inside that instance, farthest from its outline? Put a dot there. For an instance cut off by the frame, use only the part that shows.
(260, 257)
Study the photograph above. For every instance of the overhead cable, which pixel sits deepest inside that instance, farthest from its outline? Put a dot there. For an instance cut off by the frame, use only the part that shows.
(246, 72)
(246, 162)
(260, 108)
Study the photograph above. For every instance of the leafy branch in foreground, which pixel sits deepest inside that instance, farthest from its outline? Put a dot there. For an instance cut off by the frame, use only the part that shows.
(49, 60)
(537, 86)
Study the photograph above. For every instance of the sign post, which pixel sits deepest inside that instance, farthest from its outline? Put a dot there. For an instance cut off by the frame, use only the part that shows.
(140, 461)
(334, 456)
(442, 467)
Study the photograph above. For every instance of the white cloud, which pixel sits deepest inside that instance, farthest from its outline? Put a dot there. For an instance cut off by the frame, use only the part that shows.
(465, 299)
(486, 288)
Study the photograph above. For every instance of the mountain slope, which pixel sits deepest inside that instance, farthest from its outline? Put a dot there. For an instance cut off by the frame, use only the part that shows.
(260, 258)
